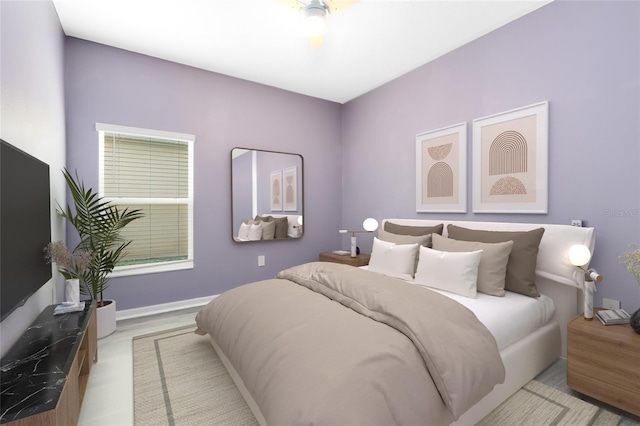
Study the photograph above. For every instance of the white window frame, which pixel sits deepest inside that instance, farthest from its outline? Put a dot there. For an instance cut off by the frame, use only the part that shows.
(123, 271)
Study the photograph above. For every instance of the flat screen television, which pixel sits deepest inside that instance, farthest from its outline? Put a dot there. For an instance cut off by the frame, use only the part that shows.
(25, 226)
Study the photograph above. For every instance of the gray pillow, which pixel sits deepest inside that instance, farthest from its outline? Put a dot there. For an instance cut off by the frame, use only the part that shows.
(268, 230)
(282, 226)
(492, 270)
(521, 268)
(412, 230)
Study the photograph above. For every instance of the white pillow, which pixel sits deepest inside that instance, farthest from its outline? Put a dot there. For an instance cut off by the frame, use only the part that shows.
(394, 260)
(456, 272)
(243, 232)
(255, 232)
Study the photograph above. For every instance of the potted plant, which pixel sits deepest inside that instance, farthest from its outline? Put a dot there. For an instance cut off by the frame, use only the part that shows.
(99, 224)
(631, 260)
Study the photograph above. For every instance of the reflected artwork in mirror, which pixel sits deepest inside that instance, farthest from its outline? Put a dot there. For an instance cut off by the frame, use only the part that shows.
(267, 195)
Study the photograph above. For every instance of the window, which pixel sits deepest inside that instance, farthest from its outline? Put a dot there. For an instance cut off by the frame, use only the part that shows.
(152, 171)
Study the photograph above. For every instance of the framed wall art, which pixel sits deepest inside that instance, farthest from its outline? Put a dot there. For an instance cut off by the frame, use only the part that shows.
(441, 170)
(290, 189)
(510, 161)
(276, 191)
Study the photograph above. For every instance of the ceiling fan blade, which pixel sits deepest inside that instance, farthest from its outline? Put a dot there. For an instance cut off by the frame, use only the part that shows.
(338, 5)
(294, 4)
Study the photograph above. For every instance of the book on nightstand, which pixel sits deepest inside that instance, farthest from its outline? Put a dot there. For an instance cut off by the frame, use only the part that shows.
(613, 316)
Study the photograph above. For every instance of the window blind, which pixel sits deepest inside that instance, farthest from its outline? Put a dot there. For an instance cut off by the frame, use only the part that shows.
(150, 174)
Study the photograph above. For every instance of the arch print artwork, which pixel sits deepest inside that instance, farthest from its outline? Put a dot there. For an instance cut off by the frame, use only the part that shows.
(276, 191)
(510, 155)
(290, 189)
(441, 165)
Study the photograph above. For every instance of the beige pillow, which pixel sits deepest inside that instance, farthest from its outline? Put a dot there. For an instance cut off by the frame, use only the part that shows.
(412, 230)
(423, 240)
(492, 270)
(268, 230)
(521, 268)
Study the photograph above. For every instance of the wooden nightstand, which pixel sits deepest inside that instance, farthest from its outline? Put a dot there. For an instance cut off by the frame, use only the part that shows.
(604, 362)
(346, 259)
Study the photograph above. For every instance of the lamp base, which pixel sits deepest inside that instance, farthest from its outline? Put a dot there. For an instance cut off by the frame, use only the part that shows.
(354, 247)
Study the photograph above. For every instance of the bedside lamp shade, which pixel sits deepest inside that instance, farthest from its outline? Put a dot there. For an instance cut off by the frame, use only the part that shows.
(370, 224)
(579, 255)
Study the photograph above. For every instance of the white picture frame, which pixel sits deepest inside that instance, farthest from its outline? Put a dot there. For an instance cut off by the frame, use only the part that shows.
(441, 170)
(510, 161)
(276, 191)
(290, 189)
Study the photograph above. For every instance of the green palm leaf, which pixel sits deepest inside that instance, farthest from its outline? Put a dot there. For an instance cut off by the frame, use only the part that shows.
(98, 223)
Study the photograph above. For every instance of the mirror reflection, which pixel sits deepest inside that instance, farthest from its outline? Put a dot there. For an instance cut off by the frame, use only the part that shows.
(266, 195)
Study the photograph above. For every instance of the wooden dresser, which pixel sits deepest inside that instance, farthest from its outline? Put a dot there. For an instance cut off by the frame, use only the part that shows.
(45, 374)
(603, 362)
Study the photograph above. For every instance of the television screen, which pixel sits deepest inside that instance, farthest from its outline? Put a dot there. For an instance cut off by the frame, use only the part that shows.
(25, 226)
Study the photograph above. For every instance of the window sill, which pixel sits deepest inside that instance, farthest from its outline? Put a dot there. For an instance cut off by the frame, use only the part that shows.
(125, 271)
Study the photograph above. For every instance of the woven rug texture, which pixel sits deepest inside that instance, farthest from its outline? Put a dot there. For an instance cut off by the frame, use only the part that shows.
(178, 379)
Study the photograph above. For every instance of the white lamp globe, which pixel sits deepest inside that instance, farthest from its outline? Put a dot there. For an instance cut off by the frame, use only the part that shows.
(579, 255)
(370, 224)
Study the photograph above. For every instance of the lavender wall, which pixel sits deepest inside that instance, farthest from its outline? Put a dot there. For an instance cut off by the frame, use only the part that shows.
(32, 119)
(108, 85)
(584, 58)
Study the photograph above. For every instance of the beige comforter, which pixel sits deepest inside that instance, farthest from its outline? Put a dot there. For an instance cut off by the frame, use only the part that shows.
(325, 343)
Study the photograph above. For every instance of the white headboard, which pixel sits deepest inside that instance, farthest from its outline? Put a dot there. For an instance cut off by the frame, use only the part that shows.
(552, 266)
(553, 260)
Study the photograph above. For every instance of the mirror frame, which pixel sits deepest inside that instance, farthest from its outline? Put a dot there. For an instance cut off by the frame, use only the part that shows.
(300, 197)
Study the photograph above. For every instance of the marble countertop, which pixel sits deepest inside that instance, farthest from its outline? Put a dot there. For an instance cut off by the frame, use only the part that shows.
(33, 372)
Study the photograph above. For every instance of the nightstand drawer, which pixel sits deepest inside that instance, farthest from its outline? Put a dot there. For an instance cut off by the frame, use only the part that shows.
(603, 362)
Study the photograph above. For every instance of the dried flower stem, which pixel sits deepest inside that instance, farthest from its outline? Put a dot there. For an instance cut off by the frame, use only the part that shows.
(631, 260)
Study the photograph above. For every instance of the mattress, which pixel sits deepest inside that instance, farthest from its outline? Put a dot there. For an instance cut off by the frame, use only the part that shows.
(509, 318)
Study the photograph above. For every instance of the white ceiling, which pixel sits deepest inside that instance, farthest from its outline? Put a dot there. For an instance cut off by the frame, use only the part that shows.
(365, 46)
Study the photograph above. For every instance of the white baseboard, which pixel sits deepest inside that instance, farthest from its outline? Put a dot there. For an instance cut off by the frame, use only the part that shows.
(163, 308)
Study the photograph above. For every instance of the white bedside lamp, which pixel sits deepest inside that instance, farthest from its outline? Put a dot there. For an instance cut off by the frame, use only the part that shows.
(579, 256)
(369, 225)
(298, 227)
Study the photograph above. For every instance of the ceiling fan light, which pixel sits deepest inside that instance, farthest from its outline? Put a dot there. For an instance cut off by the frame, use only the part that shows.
(316, 21)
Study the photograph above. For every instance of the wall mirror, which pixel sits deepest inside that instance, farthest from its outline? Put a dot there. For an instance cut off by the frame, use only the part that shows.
(267, 195)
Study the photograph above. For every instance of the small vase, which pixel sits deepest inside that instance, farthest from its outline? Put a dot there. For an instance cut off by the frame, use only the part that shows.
(72, 290)
(634, 321)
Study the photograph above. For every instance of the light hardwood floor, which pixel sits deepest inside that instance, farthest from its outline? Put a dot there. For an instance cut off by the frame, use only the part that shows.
(108, 399)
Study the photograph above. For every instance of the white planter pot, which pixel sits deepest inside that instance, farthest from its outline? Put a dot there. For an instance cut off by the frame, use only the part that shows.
(106, 318)
(72, 290)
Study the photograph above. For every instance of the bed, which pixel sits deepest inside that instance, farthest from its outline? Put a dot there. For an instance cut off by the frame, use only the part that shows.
(327, 343)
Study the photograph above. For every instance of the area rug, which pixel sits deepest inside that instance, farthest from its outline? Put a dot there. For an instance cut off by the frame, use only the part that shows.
(179, 380)
(538, 404)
